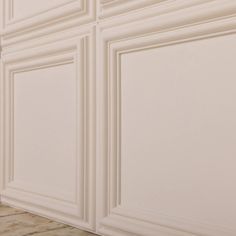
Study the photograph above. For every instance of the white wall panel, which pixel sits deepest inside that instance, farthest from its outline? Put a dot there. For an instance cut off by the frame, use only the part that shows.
(177, 115)
(159, 137)
(167, 101)
(45, 130)
(48, 167)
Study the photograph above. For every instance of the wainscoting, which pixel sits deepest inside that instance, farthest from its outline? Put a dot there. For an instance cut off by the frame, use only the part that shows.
(118, 116)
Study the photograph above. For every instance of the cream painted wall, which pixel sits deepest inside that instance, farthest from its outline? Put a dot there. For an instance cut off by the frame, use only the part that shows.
(118, 117)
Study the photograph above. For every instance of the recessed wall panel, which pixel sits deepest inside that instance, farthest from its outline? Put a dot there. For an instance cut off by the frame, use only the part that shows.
(45, 130)
(48, 164)
(178, 131)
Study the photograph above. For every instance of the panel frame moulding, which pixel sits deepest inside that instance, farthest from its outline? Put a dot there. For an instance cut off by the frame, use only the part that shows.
(71, 13)
(128, 11)
(109, 8)
(78, 50)
(208, 20)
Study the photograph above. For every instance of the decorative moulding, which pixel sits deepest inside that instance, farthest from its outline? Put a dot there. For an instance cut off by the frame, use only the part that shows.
(79, 211)
(134, 10)
(79, 13)
(202, 21)
(110, 8)
(67, 14)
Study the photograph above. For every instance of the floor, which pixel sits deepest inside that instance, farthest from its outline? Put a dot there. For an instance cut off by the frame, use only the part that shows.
(15, 222)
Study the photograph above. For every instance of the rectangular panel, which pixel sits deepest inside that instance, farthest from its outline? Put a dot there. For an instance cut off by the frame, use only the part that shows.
(167, 122)
(45, 130)
(48, 161)
(178, 130)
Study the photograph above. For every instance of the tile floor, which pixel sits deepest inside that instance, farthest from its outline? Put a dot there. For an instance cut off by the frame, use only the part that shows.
(15, 222)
